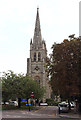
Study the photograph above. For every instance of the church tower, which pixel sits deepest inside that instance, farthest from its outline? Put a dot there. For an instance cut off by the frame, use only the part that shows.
(36, 62)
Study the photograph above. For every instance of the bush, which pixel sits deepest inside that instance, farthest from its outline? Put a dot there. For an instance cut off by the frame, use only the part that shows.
(12, 107)
(51, 102)
(9, 107)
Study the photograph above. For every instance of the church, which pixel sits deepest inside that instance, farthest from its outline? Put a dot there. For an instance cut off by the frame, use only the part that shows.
(36, 62)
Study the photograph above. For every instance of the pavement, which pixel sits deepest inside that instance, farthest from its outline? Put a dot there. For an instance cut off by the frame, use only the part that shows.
(42, 112)
(72, 114)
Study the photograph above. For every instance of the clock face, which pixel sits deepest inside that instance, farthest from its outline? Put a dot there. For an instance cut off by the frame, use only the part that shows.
(37, 68)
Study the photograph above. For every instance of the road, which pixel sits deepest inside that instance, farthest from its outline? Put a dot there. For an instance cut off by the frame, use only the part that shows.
(42, 112)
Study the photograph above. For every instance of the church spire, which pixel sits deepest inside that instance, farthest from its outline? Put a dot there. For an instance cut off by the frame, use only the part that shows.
(37, 24)
(37, 32)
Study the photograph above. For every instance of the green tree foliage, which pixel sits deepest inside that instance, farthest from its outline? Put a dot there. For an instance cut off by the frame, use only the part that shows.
(19, 86)
(64, 68)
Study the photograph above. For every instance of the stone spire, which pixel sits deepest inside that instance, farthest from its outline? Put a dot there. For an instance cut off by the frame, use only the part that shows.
(37, 40)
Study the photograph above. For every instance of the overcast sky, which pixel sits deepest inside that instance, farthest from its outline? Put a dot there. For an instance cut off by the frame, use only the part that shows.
(58, 19)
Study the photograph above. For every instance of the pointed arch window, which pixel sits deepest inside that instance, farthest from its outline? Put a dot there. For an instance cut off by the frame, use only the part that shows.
(39, 56)
(34, 56)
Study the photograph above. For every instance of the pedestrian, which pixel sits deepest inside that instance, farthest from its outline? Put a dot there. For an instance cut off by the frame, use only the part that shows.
(39, 101)
(29, 103)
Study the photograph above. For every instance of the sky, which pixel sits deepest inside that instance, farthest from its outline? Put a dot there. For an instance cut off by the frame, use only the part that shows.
(58, 20)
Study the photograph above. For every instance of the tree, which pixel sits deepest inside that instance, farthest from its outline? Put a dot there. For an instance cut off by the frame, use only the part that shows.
(64, 68)
(19, 86)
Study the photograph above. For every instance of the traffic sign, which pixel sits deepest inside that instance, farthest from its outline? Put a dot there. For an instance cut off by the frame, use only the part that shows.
(32, 94)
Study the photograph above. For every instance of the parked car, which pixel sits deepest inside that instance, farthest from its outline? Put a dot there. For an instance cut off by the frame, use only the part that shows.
(43, 104)
(72, 104)
(15, 103)
(6, 103)
(63, 107)
(2, 103)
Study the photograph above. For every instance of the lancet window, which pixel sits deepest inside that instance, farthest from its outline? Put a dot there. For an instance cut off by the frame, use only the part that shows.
(34, 56)
(39, 56)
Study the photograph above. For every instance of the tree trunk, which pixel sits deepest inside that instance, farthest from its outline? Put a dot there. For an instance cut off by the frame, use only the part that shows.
(79, 104)
(19, 102)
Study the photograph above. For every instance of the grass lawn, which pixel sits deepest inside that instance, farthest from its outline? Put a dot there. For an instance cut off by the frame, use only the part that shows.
(11, 107)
